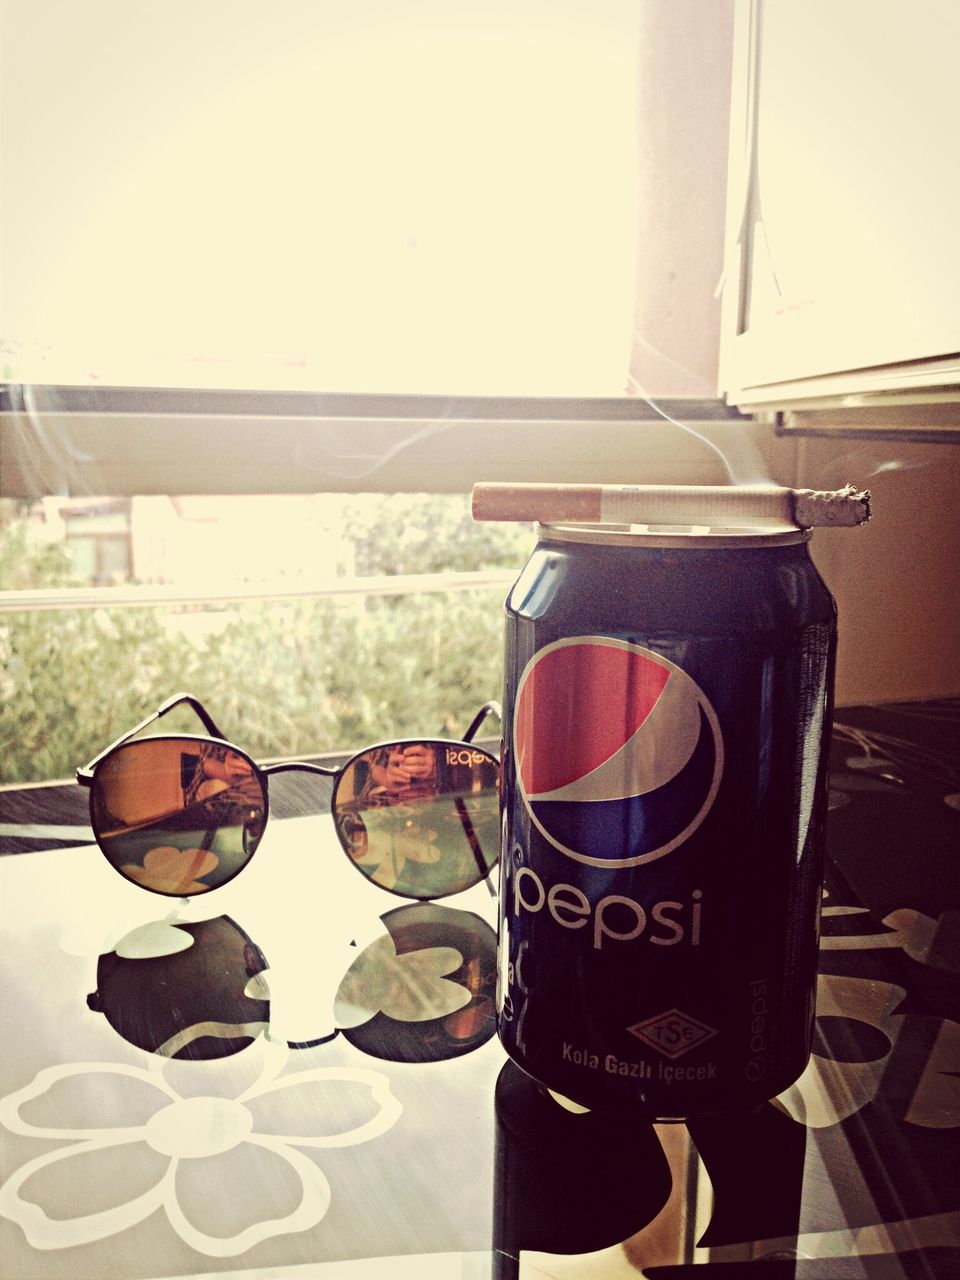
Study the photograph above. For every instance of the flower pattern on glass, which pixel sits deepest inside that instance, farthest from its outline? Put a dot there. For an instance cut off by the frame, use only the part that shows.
(180, 1129)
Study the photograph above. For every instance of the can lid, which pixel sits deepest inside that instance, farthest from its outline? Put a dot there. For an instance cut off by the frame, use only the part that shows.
(685, 537)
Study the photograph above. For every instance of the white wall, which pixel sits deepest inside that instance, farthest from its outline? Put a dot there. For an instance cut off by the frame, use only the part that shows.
(896, 579)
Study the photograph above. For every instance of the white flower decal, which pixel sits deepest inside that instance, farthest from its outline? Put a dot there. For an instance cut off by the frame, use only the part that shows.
(180, 1130)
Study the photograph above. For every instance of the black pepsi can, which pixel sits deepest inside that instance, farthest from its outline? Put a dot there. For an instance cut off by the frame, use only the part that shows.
(667, 710)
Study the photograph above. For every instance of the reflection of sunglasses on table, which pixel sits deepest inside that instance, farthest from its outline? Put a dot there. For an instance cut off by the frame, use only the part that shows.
(182, 814)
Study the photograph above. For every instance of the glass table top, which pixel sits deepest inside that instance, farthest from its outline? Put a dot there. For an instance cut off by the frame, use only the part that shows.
(299, 1075)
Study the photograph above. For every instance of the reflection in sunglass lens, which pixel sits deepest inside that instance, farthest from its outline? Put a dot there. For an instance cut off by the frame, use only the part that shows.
(420, 818)
(352, 833)
(178, 815)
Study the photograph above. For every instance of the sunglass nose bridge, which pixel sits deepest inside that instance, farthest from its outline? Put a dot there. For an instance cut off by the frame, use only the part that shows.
(301, 766)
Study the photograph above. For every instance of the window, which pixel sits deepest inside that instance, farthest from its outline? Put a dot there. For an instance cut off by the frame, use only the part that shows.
(347, 195)
(462, 199)
(309, 623)
(290, 257)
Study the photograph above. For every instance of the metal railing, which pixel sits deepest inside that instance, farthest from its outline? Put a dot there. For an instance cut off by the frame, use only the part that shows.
(157, 595)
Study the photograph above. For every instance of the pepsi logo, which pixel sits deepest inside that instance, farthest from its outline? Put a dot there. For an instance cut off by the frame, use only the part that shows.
(618, 751)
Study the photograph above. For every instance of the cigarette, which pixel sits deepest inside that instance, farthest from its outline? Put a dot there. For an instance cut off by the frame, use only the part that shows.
(721, 506)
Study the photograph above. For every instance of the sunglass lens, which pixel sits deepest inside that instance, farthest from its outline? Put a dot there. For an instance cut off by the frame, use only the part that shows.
(178, 816)
(420, 818)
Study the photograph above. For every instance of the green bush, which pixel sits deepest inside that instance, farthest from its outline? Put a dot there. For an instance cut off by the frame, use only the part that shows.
(73, 681)
(280, 678)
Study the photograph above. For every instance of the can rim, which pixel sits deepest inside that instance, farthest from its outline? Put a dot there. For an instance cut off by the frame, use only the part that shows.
(675, 536)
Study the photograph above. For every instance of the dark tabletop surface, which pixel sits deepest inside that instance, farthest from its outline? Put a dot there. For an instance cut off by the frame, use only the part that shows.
(300, 1077)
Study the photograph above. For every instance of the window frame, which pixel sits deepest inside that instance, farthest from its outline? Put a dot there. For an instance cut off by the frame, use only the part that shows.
(125, 441)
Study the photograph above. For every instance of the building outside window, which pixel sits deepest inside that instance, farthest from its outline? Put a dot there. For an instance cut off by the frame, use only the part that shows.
(98, 539)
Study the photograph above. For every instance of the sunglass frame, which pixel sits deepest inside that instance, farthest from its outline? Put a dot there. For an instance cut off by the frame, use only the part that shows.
(87, 774)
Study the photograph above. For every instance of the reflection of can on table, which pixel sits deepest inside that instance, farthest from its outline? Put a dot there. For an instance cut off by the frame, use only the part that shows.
(667, 705)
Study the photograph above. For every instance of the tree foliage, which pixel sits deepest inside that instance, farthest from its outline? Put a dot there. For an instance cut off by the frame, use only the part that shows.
(280, 678)
(428, 533)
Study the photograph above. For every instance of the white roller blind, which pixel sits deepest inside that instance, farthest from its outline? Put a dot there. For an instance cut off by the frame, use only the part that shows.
(432, 196)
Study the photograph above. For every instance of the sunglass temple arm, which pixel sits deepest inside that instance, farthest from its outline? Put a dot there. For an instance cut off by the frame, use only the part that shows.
(85, 774)
(492, 708)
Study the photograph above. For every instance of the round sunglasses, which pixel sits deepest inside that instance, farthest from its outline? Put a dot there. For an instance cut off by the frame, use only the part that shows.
(183, 814)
